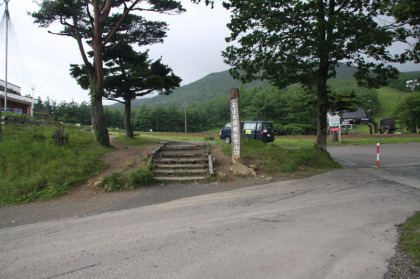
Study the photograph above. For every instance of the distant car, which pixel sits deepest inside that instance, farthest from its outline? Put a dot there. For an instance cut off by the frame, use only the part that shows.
(258, 130)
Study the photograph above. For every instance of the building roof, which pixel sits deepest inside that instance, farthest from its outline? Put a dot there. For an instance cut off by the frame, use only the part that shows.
(18, 98)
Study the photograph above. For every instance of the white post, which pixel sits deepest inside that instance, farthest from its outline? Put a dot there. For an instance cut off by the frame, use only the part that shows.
(6, 14)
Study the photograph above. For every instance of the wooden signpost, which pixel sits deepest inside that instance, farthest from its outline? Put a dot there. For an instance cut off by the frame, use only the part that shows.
(236, 129)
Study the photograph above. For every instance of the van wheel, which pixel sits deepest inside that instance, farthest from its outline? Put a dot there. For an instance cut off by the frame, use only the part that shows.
(227, 140)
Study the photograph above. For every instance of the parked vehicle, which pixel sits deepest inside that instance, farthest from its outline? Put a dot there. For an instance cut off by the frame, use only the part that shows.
(258, 130)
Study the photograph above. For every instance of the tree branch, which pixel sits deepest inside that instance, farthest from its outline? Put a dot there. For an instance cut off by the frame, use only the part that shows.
(114, 99)
(80, 43)
(342, 6)
(145, 93)
(120, 21)
(106, 9)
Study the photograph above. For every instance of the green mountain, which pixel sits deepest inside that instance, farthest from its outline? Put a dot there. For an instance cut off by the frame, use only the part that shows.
(209, 87)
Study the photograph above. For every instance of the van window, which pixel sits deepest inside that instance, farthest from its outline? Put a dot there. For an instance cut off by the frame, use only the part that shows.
(227, 126)
(259, 126)
(249, 126)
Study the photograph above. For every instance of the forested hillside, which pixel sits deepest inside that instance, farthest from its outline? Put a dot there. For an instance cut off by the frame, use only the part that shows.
(209, 87)
(292, 109)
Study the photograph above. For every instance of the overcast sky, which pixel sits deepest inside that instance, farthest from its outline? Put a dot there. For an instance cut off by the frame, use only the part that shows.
(192, 49)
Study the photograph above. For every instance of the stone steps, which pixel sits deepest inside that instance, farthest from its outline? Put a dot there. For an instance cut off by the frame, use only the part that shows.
(181, 162)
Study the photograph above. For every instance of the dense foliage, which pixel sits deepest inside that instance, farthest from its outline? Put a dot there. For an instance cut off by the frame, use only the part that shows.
(408, 112)
(288, 42)
(292, 110)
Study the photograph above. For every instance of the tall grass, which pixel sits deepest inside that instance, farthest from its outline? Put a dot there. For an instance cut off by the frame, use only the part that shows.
(34, 167)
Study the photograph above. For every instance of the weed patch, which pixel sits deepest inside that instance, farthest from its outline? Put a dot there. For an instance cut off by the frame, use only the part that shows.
(118, 181)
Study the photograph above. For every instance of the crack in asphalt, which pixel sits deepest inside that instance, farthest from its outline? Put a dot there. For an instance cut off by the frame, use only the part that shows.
(71, 271)
(274, 201)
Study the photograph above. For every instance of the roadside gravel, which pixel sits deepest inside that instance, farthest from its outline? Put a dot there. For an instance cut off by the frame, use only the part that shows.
(401, 264)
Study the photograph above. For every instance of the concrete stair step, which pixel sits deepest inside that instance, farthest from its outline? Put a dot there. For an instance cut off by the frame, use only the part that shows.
(180, 172)
(179, 178)
(181, 166)
(182, 147)
(180, 160)
(180, 154)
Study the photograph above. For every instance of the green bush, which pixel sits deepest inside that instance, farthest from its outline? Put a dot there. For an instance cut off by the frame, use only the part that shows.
(118, 181)
(140, 177)
(114, 182)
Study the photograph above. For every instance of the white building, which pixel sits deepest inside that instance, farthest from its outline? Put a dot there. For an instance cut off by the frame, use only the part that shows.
(16, 103)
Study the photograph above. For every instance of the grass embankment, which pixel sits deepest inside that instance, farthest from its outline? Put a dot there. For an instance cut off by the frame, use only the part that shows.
(284, 161)
(410, 240)
(34, 167)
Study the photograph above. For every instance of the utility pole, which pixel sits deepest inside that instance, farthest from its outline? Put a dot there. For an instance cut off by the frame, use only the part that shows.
(186, 105)
(6, 14)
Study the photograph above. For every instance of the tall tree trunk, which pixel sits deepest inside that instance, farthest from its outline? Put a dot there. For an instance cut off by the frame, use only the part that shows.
(98, 87)
(99, 122)
(127, 118)
(321, 138)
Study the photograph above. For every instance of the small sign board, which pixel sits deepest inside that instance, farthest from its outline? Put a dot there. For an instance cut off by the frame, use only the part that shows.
(334, 120)
(334, 124)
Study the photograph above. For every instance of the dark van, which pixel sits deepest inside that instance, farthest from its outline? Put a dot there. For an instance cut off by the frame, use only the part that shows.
(259, 130)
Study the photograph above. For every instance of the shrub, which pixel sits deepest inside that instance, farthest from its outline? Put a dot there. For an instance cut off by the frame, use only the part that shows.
(140, 177)
(118, 181)
(114, 182)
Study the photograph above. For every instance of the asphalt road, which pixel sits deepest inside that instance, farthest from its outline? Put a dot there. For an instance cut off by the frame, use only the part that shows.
(336, 225)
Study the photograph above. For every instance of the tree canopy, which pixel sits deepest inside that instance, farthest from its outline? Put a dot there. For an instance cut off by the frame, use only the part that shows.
(130, 74)
(292, 41)
(104, 25)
